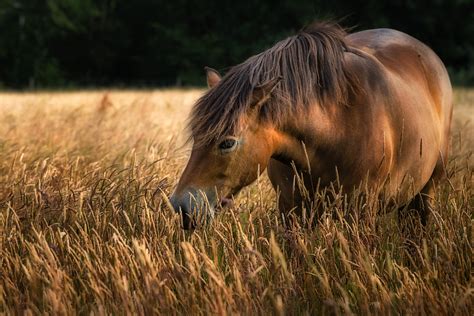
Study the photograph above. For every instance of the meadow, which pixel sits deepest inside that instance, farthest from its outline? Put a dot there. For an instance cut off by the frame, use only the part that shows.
(85, 226)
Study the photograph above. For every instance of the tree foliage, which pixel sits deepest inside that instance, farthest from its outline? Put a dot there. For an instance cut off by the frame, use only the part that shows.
(56, 43)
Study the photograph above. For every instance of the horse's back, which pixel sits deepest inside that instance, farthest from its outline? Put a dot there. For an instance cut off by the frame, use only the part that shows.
(413, 61)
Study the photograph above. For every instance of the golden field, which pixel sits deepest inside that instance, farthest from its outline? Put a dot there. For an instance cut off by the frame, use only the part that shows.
(85, 227)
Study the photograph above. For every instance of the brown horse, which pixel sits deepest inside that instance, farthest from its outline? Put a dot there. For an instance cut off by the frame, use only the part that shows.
(371, 106)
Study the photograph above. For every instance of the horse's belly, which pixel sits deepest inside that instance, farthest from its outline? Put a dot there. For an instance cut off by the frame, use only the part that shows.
(395, 160)
(415, 148)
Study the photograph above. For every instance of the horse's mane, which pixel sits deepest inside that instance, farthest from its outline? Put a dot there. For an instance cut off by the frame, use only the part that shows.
(311, 66)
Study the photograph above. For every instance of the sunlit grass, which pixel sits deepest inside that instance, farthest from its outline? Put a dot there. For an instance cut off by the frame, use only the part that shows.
(85, 227)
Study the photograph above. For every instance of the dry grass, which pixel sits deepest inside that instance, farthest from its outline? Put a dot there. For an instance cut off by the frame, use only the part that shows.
(84, 227)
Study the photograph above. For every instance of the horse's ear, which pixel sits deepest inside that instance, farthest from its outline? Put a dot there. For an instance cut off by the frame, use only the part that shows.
(213, 77)
(262, 92)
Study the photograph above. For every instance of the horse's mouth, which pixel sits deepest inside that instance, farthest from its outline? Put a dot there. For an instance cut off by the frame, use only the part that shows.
(225, 202)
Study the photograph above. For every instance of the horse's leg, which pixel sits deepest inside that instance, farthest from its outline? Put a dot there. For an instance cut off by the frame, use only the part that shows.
(289, 197)
(412, 220)
(414, 217)
(419, 207)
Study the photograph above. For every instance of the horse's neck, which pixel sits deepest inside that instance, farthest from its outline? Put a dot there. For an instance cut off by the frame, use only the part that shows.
(299, 137)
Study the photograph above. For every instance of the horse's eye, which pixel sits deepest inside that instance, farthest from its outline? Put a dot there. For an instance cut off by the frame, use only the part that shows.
(228, 145)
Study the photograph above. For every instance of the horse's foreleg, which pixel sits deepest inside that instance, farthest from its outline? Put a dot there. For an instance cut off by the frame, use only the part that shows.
(290, 199)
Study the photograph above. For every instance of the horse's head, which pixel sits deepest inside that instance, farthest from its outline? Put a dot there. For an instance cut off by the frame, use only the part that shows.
(218, 170)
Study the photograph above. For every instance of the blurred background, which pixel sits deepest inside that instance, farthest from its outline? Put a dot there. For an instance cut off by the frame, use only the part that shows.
(149, 43)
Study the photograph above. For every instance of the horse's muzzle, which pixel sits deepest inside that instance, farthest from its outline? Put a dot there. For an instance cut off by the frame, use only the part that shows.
(184, 208)
(193, 207)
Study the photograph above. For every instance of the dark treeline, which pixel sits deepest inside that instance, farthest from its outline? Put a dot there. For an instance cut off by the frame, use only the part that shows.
(70, 43)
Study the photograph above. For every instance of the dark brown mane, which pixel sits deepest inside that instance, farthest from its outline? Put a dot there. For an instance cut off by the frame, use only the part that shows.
(310, 64)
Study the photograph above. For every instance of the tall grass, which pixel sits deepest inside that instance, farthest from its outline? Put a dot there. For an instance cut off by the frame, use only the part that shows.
(85, 227)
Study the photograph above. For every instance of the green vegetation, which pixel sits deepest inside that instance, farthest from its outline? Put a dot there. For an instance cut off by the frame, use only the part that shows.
(62, 43)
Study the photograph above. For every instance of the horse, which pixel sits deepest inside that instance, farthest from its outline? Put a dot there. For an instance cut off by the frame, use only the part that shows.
(371, 106)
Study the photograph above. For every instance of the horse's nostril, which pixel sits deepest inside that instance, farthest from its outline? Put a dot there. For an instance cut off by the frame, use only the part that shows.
(188, 221)
(187, 217)
(184, 210)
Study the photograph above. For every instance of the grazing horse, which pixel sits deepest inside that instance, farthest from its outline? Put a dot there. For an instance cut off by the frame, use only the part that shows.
(373, 106)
